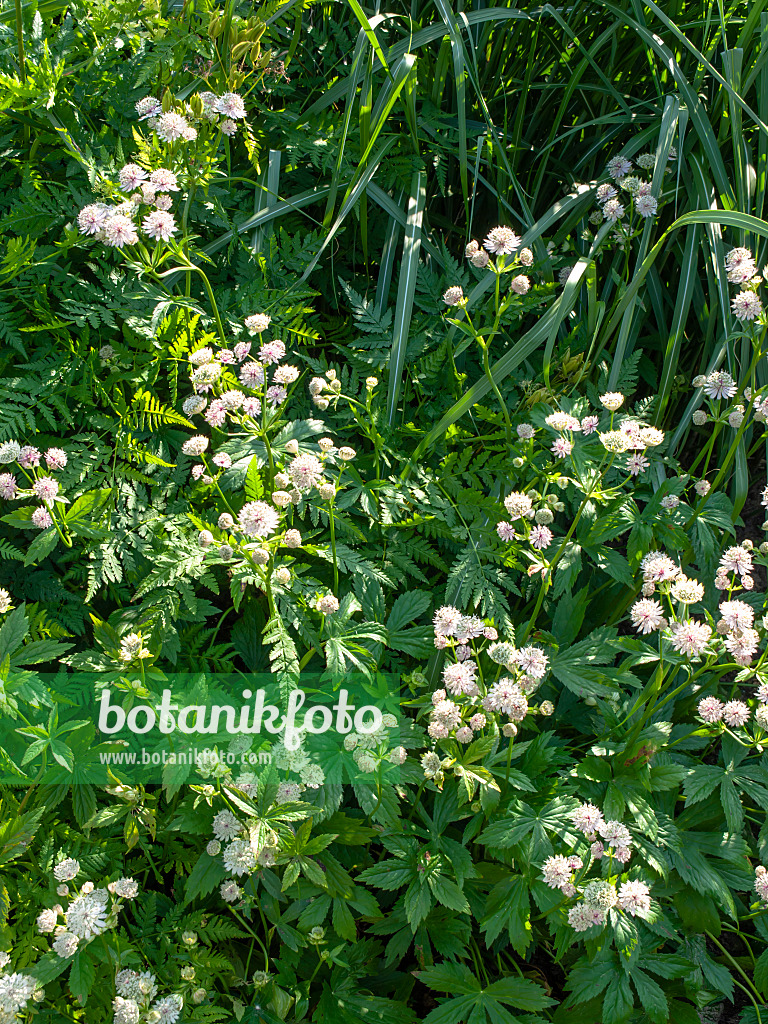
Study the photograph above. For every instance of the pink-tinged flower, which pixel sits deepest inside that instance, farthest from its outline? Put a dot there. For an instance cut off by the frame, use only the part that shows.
(618, 167)
(605, 192)
(581, 917)
(746, 306)
(29, 457)
(690, 637)
(525, 432)
(720, 385)
(171, 127)
(41, 518)
(216, 413)
(7, 486)
(164, 180)
(454, 295)
(561, 447)
(251, 406)
(761, 883)
(131, 176)
(637, 464)
(556, 872)
(56, 458)
(446, 619)
(92, 218)
(736, 712)
(460, 678)
(540, 537)
(228, 127)
(147, 107)
(257, 323)
(613, 210)
(762, 693)
(646, 205)
(736, 559)
(46, 488)
(742, 645)
(506, 531)
(502, 241)
(242, 350)
(711, 710)
(272, 352)
(163, 202)
(328, 604)
(647, 616)
(586, 818)
(222, 460)
(119, 231)
(252, 375)
(658, 568)
(276, 395)
(159, 225)
(231, 105)
(634, 898)
(197, 471)
(506, 696)
(232, 399)
(737, 614)
(590, 424)
(518, 505)
(257, 519)
(533, 661)
(597, 849)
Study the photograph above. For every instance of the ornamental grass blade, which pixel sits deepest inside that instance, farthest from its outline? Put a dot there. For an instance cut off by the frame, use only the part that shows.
(406, 289)
(267, 191)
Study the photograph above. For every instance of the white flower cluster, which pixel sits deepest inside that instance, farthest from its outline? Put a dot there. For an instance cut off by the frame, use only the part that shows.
(597, 896)
(370, 750)
(244, 848)
(466, 703)
(39, 482)
(741, 269)
(16, 990)
(90, 912)
(640, 197)
(137, 1000)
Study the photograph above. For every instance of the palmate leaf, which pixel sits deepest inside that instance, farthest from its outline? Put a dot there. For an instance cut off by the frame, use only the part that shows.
(469, 1000)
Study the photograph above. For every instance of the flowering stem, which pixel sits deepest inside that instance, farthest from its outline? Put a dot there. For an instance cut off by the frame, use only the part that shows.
(745, 976)
(333, 547)
(492, 382)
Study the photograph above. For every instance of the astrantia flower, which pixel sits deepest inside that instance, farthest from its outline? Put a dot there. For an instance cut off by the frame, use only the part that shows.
(581, 917)
(41, 518)
(761, 883)
(650, 437)
(257, 519)
(226, 826)
(506, 531)
(194, 405)
(446, 619)
(540, 537)
(195, 445)
(305, 471)
(171, 127)
(92, 218)
(460, 677)
(737, 614)
(614, 833)
(647, 615)
(252, 375)
(600, 894)
(561, 447)
(613, 210)
(159, 225)
(164, 180)
(86, 916)
(616, 441)
(257, 323)
(521, 285)
(562, 421)
(556, 872)
(168, 1009)
(7, 486)
(736, 559)
(612, 401)
(740, 265)
(658, 568)
(66, 870)
(228, 126)
(589, 424)
(518, 505)
(131, 176)
(453, 296)
(328, 604)
(646, 205)
(637, 464)
(56, 458)
(126, 1011)
(47, 921)
(231, 105)
(230, 891)
(119, 231)
(746, 306)
(690, 638)
(286, 374)
(128, 888)
(687, 591)
(586, 818)
(618, 167)
(634, 898)
(272, 352)
(506, 696)
(533, 661)
(148, 106)
(502, 241)
(720, 385)
(605, 192)
(742, 645)
(525, 432)
(239, 858)
(736, 712)
(710, 709)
